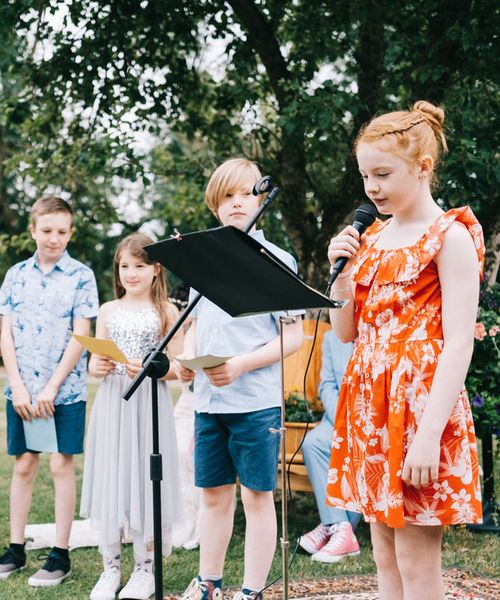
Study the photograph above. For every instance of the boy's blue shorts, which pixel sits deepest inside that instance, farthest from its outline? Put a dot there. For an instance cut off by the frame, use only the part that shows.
(237, 444)
(70, 428)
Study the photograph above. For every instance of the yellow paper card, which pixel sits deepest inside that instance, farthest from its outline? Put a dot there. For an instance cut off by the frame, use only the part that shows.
(101, 347)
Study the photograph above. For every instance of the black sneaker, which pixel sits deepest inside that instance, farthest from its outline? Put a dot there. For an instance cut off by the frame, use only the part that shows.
(55, 570)
(11, 561)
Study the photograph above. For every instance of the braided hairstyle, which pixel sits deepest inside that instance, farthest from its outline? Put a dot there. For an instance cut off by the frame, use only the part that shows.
(411, 134)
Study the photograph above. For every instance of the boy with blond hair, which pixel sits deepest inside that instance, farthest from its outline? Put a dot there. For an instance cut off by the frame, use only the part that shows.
(43, 300)
(237, 408)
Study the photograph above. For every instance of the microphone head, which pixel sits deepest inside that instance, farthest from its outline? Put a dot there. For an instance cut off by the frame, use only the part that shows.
(365, 214)
(262, 186)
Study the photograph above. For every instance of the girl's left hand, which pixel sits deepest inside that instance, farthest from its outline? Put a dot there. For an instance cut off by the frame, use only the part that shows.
(44, 404)
(133, 366)
(421, 465)
(226, 373)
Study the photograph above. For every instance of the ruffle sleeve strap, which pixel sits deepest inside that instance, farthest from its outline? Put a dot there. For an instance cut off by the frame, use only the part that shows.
(406, 264)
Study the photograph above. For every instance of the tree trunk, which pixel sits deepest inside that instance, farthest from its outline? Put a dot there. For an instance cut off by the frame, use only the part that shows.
(370, 61)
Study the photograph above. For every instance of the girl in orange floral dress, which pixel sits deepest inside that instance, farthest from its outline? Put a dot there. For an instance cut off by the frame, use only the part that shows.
(404, 451)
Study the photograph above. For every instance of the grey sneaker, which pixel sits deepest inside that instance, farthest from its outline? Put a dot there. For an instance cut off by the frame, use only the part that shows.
(55, 570)
(11, 561)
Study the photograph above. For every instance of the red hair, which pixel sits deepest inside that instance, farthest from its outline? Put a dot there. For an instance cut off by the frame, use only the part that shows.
(411, 134)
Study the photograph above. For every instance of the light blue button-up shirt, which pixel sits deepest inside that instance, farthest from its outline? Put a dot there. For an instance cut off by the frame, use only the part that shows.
(42, 307)
(220, 334)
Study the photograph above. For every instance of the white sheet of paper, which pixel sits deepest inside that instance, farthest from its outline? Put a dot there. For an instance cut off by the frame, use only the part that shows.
(202, 362)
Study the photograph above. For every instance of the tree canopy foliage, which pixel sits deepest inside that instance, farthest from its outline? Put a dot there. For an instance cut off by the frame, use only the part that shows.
(285, 82)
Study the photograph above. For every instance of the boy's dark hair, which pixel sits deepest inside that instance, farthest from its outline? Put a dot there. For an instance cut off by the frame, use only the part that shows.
(47, 205)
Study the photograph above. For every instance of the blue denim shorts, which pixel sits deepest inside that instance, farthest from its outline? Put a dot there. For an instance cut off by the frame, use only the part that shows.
(70, 428)
(237, 445)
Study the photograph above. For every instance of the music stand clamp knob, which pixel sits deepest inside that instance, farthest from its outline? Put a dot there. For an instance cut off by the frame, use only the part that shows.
(158, 367)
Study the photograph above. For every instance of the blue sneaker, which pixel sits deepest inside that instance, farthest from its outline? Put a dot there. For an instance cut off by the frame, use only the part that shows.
(202, 590)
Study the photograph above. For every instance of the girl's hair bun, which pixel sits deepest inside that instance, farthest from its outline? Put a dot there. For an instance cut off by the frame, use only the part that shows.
(431, 111)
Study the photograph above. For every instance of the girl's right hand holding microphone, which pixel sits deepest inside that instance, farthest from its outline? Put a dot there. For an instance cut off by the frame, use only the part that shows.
(345, 244)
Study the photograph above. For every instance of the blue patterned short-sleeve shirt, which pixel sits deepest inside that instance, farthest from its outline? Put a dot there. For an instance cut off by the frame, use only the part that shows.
(42, 307)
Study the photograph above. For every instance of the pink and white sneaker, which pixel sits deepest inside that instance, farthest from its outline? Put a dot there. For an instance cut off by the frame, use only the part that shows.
(342, 543)
(313, 541)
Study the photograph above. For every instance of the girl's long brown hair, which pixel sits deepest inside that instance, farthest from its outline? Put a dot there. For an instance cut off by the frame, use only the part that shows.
(135, 243)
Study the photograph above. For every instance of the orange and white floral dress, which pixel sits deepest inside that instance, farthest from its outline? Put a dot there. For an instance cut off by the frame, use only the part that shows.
(387, 383)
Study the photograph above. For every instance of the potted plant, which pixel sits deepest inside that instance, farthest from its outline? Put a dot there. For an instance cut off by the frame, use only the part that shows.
(483, 385)
(299, 418)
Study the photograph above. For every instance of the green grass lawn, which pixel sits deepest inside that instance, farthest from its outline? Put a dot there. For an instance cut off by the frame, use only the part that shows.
(462, 549)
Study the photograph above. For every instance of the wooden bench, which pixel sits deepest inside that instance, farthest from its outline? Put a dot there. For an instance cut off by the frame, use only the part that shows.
(299, 481)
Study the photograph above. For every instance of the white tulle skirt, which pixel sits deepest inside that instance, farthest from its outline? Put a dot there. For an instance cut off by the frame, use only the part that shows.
(117, 492)
(187, 535)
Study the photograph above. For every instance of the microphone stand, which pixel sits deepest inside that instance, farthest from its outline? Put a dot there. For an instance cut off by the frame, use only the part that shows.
(284, 541)
(156, 365)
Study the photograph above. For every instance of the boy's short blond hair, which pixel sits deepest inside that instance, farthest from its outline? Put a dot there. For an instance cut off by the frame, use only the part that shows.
(47, 205)
(228, 178)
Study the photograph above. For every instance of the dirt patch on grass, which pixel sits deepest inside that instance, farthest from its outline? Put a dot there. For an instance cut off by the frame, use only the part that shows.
(459, 585)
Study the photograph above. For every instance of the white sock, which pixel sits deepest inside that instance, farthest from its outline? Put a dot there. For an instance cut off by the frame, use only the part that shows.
(143, 558)
(111, 556)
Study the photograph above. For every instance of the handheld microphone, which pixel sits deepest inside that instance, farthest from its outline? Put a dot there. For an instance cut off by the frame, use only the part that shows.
(363, 218)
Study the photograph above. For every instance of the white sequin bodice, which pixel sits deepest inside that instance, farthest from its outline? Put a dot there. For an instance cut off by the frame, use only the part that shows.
(136, 333)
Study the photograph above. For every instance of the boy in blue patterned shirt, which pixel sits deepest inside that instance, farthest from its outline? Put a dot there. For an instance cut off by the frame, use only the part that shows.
(43, 300)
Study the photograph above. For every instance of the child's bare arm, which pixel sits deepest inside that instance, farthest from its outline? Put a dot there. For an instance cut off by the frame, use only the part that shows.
(344, 245)
(44, 406)
(21, 398)
(459, 279)
(176, 344)
(262, 357)
(100, 366)
(189, 351)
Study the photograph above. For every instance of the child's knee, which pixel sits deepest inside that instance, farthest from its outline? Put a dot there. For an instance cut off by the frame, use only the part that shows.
(61, 465)
(26, 465)
(384, 548)
(220, 497)
(419, 546)
(254, 500)
(385, 558)
(406, 565)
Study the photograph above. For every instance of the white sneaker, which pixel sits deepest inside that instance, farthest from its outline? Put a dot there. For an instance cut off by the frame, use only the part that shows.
(107, 585)
(140, 586)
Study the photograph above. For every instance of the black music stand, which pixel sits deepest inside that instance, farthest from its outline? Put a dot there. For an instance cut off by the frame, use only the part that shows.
(236, 272)
(241, 276)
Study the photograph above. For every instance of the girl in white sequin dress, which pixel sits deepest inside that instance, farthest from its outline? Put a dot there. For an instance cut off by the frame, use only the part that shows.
(117, 489)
